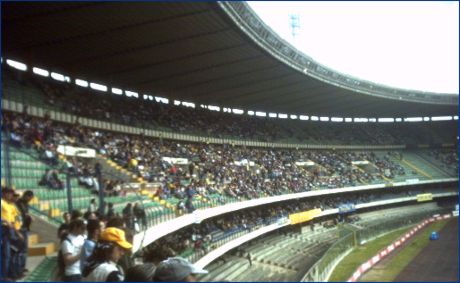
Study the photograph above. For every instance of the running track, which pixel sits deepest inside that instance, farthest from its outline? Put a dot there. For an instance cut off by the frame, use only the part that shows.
(438, 262)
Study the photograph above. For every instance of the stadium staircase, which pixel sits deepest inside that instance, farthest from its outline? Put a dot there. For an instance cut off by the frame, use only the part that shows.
(449, 170)
(113, 169)
(170, 203)
(411, 171)
(423, 166)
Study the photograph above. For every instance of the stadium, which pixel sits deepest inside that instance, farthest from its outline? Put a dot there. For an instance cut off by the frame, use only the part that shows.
(170, 141)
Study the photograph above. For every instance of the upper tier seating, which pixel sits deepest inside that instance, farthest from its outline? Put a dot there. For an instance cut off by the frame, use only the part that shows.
(68, 98)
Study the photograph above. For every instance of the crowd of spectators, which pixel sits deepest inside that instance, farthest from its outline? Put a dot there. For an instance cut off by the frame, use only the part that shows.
(227, 170)
(44, 136)
(447, 157)
(92, 248)
(148, 114)
(204, 237)
(95, 247)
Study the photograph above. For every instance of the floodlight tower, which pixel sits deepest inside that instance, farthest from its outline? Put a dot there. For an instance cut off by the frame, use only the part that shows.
(294, 23)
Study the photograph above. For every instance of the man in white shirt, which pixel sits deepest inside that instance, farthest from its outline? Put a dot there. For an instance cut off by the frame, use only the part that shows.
(71, 247)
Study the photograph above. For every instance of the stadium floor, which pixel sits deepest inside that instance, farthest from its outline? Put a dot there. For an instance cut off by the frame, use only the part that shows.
(438, 262)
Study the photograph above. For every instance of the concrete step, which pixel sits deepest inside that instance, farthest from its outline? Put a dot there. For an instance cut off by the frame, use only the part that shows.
(234, 267)
(42, 268)
(216, 271)
(42, 249)
(33, 239)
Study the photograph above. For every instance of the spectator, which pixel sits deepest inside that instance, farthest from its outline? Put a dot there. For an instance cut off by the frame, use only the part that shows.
(72, 249)
(189, 205)
(17, 243)
(90, 215)
(140, 273)
(128, 216)
(92, 205)
(102, 265)
(15, 139)
(94, 230)
(23, 206)
(63, 229)
(127, 261)
(51, 180)
(139, 213)
(49, 156)
(157, 253)
(177, 269)
(11, 237)
(248, 257)
(110, 211)
(76, 214)
(180, 207)
(116, 222)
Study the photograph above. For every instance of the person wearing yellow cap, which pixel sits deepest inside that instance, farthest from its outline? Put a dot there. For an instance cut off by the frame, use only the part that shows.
(102, 264)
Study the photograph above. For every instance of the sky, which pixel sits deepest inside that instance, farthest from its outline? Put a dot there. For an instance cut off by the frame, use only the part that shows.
(408, 45)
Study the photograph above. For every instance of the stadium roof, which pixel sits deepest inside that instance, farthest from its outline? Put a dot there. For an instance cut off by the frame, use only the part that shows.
(216, 53)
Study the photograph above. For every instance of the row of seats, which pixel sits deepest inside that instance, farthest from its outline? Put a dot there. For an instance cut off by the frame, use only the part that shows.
(27, 170)
(275, 257)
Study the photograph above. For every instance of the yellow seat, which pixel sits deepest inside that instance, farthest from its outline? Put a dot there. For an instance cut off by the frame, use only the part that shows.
(34, 200)
(54, 212)
(44, 206)
(41, 249)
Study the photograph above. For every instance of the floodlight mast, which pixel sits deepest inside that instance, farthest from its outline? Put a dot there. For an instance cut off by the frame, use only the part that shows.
(294, 23)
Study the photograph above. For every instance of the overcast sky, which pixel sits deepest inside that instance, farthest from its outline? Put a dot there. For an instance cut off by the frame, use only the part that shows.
(410, 45)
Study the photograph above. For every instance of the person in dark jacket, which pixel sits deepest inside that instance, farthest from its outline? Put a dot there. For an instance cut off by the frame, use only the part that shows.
(110, 211)
(23, 205)
(128, 216)
(139, 213)
(140, 273)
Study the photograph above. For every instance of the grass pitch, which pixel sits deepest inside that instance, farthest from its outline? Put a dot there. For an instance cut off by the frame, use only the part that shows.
(401, 257)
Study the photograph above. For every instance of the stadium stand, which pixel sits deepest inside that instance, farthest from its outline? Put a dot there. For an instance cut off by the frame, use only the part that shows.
(206, 178)
(174, 180)
(59, 96)
(297, 252)
(219, 174)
